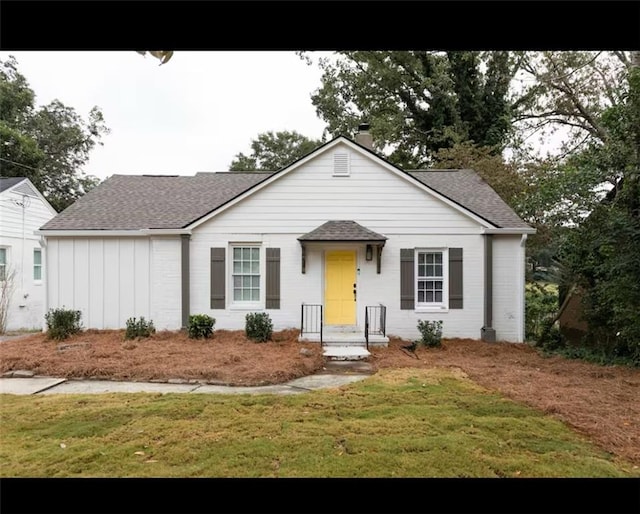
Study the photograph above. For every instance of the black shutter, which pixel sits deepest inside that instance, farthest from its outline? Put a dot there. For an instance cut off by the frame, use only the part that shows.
(407, 279)
(273, 279)
(218, 273)
(455, 278)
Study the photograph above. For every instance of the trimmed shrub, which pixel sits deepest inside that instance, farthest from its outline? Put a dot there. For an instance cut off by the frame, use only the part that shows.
(62, 323)
(201, 326)
(431, 332)
(139, 328)
(258, 326)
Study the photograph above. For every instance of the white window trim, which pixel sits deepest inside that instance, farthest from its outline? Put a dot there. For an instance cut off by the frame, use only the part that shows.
(7, 259)
(433, 306)
(246, 305)
(37, 281)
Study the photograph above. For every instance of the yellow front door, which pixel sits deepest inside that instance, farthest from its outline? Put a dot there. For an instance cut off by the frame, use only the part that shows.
(339, 286)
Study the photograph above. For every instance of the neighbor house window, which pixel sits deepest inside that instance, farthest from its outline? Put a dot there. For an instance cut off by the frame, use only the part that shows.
(431, 286)
(3, 263)
(246, 274)
(37, 264)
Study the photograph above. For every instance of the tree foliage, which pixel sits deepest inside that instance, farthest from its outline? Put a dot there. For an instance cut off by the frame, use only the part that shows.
(271, 151)
(418, 102)
(47, 144)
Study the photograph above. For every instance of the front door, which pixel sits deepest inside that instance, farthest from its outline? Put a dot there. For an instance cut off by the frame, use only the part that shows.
(340, 287)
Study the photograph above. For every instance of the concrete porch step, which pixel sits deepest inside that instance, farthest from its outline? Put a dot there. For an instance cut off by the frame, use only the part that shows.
(345, 352)
(345, 339)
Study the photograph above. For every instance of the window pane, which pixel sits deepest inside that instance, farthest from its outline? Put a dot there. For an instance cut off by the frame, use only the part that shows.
(237, 267)
(255, 295)
(246, 282)
(438, 270)
(237, 254)
(255, 267)
(37, 257)
(438, 296)
(438, 257)
(422, 258)
(421, 296)
(37, 272)
(237, 295)
(255, 281)
(246, 267)
(3, 255)
(439, 285)
(246, 254)
(430, 270)
(255, 254)
(429, 296)
(430, 258)
(422, 270)
(237, 281)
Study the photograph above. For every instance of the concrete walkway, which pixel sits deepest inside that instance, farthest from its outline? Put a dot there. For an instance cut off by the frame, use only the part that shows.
(335, 375)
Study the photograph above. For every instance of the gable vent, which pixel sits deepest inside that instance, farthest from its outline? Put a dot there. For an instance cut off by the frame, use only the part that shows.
(25, 189)
(341, 165)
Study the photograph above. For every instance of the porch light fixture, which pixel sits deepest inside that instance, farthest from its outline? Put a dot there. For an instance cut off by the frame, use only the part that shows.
(369, 253)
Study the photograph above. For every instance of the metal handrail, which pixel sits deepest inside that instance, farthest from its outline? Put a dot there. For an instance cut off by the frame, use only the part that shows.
(376, 322)
(311, 319)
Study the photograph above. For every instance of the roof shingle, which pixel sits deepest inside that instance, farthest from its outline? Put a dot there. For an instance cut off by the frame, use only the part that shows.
(341, 230)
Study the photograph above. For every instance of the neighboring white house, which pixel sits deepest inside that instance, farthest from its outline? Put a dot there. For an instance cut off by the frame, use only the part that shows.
(341, 231)
(23, 210)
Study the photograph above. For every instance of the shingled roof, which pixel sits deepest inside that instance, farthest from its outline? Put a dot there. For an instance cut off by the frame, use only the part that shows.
(341, 230)
(7, 182)
(469, 190)
(134, 202)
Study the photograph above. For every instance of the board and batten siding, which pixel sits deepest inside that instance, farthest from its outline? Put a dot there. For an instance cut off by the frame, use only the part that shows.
(111, 279)
(374, 197)
(17, 226)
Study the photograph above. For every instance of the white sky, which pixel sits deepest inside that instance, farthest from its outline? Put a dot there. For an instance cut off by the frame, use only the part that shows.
(194, 113)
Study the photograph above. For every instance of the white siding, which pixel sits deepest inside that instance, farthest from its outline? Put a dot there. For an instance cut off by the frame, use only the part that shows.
(372, 196)
(508, 283)
(17, 226)
(107, 279)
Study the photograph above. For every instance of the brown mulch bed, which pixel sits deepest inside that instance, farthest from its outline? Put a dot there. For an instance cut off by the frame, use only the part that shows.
(601, 402)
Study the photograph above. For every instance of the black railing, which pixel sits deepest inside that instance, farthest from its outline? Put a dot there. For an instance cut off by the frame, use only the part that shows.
(375, 321)
(311, 319)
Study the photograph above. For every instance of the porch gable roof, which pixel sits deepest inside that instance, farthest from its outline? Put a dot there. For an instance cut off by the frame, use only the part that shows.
(342, 230)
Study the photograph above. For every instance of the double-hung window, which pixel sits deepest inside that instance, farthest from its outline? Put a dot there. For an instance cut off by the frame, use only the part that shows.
(3, 264)
(246, 274)
(431, 283)
(37, 264)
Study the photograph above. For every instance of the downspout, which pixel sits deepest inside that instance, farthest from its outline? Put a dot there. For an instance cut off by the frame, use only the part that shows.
(45, 277)
(184, 238)
(487, 332)
(521, 295)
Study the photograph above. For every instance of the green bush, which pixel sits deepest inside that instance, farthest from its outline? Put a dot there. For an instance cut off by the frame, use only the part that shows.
(139, 328)
(62, 323)
(431, 332)
(258, 326)
(201, 326)
(541, 307)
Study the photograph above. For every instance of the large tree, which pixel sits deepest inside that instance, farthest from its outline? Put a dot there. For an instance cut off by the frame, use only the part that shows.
(48, 144)
(418, 102)
(271, 151)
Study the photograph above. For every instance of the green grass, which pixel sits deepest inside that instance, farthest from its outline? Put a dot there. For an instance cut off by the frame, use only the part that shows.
(401, 424)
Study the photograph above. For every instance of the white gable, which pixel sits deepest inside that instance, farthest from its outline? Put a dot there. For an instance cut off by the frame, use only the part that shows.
(342, 181)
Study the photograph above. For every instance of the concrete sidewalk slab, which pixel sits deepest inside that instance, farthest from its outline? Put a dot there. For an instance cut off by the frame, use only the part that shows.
(325, 381)
(46, 385)
(26, 386)
(106, 386)
(271, 389)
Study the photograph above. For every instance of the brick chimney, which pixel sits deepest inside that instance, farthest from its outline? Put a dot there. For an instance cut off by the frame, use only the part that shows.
(363, 136)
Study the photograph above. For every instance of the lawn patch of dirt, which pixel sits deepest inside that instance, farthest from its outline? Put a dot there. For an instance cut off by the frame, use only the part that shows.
(601, 402)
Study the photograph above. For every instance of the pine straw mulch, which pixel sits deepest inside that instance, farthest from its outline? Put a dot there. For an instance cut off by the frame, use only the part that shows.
(601, 402)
